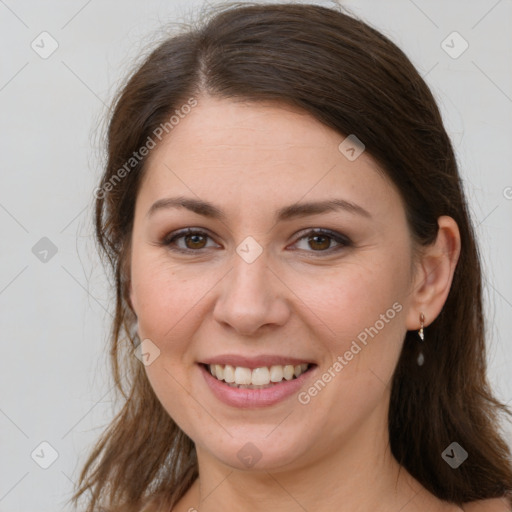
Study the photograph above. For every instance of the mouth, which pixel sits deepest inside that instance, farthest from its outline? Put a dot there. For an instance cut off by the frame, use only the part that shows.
(256, 378)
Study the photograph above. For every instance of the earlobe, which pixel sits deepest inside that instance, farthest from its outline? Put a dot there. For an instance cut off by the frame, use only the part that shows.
(434, 274)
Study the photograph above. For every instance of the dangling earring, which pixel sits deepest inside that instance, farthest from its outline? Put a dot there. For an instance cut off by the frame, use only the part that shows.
(421, 357)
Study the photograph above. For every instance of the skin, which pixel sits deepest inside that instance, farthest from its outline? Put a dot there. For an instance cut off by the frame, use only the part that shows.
(250, 159)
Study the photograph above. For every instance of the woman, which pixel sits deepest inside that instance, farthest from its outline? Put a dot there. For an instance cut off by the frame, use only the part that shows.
(297, 277)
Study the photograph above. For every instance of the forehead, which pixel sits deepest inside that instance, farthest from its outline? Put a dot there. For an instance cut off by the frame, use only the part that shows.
(235, 152)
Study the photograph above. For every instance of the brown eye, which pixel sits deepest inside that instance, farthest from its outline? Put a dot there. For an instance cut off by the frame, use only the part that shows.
(195, 241)
(321, 240)
(188, 240)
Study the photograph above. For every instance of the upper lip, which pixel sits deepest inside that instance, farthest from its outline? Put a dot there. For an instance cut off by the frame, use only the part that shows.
(254, 362)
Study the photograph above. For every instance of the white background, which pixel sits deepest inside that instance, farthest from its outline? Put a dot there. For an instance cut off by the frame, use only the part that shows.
(54, 381)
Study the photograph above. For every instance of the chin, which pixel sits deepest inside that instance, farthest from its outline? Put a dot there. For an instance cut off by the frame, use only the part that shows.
(257, 450)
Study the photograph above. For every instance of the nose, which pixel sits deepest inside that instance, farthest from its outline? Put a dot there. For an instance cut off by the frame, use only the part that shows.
(252, 298)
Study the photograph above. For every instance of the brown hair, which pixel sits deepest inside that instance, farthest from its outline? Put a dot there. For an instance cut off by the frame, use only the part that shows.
(354, 80)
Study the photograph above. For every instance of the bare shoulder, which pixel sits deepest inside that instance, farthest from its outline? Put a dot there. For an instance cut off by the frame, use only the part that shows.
(494, 505)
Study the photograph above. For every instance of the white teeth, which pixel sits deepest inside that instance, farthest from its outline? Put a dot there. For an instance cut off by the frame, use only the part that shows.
(288, 372)
(299, 369)
(219, 371)
(229, 373)
(260, 376)
(276, 373)
(242, 377)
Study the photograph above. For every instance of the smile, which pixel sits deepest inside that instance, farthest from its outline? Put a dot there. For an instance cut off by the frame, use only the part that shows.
(256, 387)
(257, 378)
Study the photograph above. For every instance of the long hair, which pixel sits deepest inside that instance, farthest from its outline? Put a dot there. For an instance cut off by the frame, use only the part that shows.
(353, 79)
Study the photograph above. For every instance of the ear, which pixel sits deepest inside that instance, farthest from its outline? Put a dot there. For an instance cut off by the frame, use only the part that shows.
(434, 274)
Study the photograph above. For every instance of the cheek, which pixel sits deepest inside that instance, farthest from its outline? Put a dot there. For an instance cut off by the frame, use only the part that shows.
(362, 329)
(360, 308)
(354, 297)
(164, 298)
(168, 303)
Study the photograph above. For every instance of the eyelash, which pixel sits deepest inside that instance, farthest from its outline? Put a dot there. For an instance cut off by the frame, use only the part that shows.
(343, 240)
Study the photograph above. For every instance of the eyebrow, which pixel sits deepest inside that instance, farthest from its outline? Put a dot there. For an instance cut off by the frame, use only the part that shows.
(207, 209)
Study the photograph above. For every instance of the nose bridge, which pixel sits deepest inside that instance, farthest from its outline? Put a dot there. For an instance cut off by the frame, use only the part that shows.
(250, 268)
(250, 296)
(252, 275)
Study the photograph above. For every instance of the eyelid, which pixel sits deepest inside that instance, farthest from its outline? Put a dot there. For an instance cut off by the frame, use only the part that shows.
(322, 231)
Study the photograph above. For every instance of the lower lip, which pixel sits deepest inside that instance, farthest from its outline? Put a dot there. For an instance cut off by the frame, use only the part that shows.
(245, 398)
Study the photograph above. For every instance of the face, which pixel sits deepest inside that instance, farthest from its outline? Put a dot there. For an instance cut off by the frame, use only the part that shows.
(260, 279)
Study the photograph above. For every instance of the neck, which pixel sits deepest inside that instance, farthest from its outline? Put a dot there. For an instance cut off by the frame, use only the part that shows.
(359, 475)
